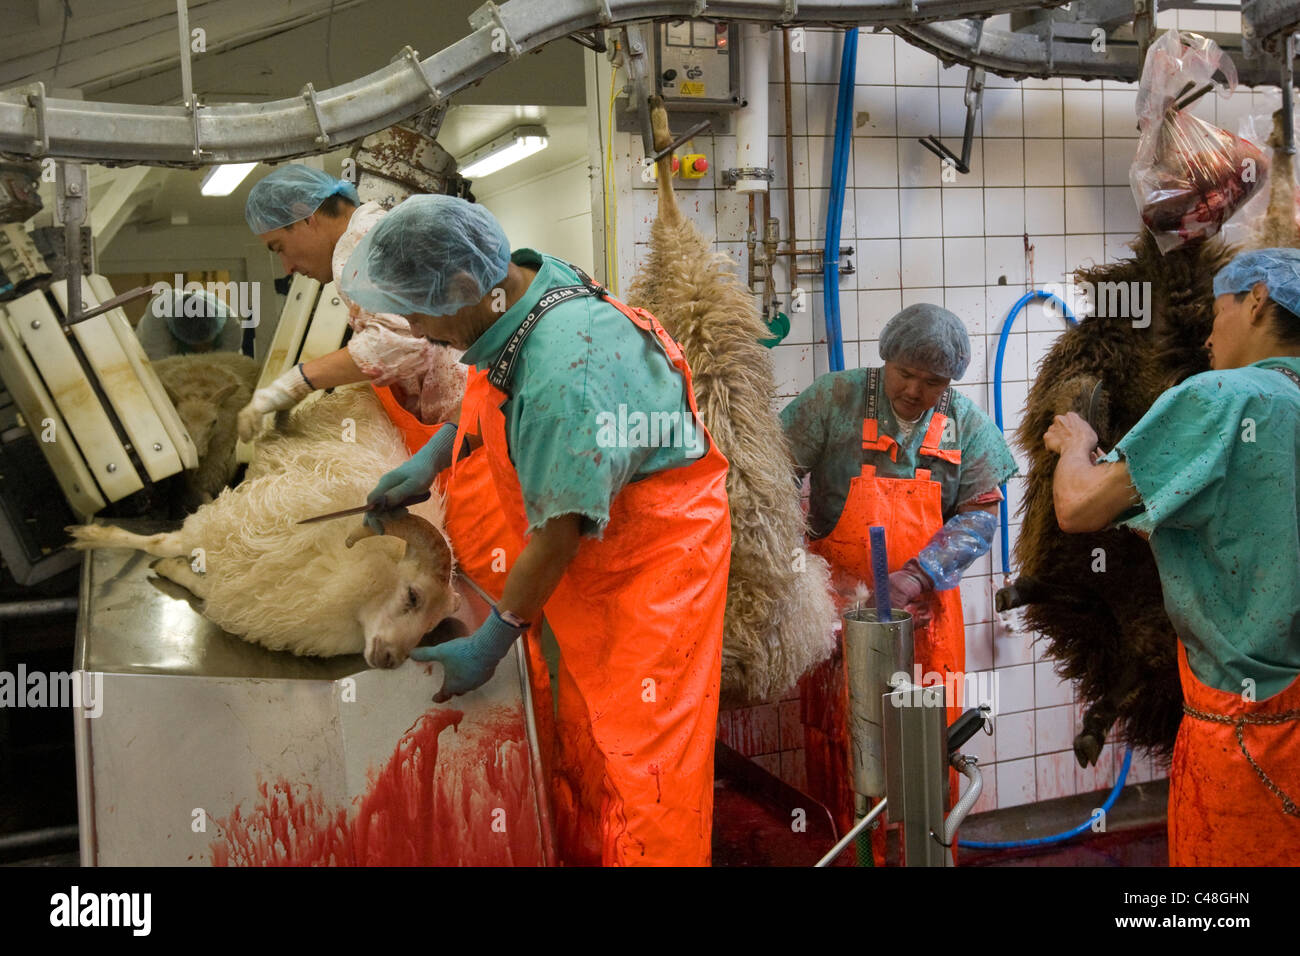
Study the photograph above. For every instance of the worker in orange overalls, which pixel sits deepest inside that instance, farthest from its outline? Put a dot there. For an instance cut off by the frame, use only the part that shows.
(585, 411)
(896, 446)
(1209, 475)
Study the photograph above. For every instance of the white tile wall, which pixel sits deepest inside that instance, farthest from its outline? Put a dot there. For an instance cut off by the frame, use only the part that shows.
(1048, 192)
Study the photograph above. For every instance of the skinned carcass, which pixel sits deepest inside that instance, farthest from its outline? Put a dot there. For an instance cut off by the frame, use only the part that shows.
(780, 613)
(208, 390)
(1096, 597)
(320, 589)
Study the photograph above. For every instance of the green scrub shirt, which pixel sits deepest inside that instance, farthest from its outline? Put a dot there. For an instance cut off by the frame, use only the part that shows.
(1214, 461)
(824, 427)
(595, 402)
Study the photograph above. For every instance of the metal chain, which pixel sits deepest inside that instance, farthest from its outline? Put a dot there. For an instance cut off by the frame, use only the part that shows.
(1288, 805)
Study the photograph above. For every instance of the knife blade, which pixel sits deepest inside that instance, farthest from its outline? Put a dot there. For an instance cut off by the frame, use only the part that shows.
(404, 503)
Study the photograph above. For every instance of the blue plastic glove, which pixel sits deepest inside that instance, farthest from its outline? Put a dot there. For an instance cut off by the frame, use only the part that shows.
(470, 661)
(413, 476)
(955, 547)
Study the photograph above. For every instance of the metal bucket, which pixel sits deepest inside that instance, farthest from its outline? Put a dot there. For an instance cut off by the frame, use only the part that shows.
(875, 651)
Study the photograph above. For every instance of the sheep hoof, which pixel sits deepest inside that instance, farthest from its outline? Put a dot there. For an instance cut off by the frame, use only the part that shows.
(1007, 599)
(1087, 748)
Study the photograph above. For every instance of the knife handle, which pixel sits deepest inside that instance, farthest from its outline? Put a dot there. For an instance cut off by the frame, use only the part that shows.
(412, 500)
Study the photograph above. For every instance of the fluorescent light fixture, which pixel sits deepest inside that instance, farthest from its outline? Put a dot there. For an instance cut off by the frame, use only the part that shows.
(224, 179)
(508, 148)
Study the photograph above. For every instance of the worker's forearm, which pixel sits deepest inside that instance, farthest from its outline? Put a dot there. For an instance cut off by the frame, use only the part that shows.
(1089, 497)
(539, 567)
(336, 368)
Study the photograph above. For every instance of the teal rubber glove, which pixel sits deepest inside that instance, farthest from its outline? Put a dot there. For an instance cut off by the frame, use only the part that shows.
(411, 477)
(469, 662)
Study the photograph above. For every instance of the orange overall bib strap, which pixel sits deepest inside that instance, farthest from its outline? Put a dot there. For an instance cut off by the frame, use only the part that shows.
(638, 619)
(1235, 777)
(911, 511)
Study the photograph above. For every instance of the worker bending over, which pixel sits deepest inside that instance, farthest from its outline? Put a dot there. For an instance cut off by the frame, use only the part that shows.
(627, 541)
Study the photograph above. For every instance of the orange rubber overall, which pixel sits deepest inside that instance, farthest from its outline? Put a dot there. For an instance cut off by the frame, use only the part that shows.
(911, 511)
(1221, 811)
(638, 619)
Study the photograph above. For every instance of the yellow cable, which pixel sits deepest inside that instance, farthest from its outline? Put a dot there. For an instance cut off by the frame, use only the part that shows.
(611, 233)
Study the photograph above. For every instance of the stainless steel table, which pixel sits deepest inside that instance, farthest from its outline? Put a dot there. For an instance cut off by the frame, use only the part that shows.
(210, 749)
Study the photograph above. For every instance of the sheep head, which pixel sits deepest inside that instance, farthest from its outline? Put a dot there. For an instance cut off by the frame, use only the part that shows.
(199, 416)
(420, 595)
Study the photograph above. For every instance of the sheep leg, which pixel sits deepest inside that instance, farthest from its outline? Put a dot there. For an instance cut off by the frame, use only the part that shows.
(1026, 590)
(178, 570)
(668, 210)
(1101, 715)
(1097, 721)
(88, 536)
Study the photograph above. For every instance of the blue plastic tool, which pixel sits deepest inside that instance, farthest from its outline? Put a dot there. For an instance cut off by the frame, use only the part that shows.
(880, 573)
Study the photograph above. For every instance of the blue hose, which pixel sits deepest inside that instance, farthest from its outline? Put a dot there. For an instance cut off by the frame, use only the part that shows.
(835, 207)
(1059, 837)
(997, 398)
(1006, 569)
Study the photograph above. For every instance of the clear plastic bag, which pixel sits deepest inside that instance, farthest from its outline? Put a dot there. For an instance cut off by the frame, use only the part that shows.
(1188, 176)
(1252, 227)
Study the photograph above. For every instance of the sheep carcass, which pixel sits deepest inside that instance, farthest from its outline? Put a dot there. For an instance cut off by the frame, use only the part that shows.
(320, 589)
(208, 391)
(780, 612)
(1096, 597)
(1108, 630)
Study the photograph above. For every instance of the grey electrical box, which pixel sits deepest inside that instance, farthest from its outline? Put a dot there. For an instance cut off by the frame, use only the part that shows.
(697, 65)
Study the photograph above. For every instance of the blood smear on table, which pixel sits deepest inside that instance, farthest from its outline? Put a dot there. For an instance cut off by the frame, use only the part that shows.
(445, 798)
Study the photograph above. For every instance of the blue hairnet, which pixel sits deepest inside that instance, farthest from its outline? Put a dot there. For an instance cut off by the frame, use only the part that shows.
(193, 317)
(929, 337)
(1279, 269)
(290, 194)
(432, 254)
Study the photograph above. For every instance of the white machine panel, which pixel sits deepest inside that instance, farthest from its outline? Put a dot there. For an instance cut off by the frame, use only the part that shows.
(148, 378)
(37, 406)
(328, 323)
(289, 334)
(36, 324)
(121, 384)
(311, 325)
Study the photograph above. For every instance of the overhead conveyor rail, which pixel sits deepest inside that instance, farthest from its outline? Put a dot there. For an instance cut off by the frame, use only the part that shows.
(1021, 54)
(34, 125)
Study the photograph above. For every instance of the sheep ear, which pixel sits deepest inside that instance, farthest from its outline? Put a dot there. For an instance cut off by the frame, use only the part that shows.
(362, 530)
(221, 396)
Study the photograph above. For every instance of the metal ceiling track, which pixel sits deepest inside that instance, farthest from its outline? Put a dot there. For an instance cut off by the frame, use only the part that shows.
(34, 125)
(1059, 44)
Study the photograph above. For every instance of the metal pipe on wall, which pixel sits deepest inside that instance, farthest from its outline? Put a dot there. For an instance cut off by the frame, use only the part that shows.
(751, 120)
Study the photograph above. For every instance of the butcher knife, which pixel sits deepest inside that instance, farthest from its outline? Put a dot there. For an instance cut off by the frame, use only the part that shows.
(404, 503)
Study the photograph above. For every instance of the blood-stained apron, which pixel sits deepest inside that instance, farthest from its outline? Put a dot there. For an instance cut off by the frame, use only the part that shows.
(1235, 777)
(911, 511)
